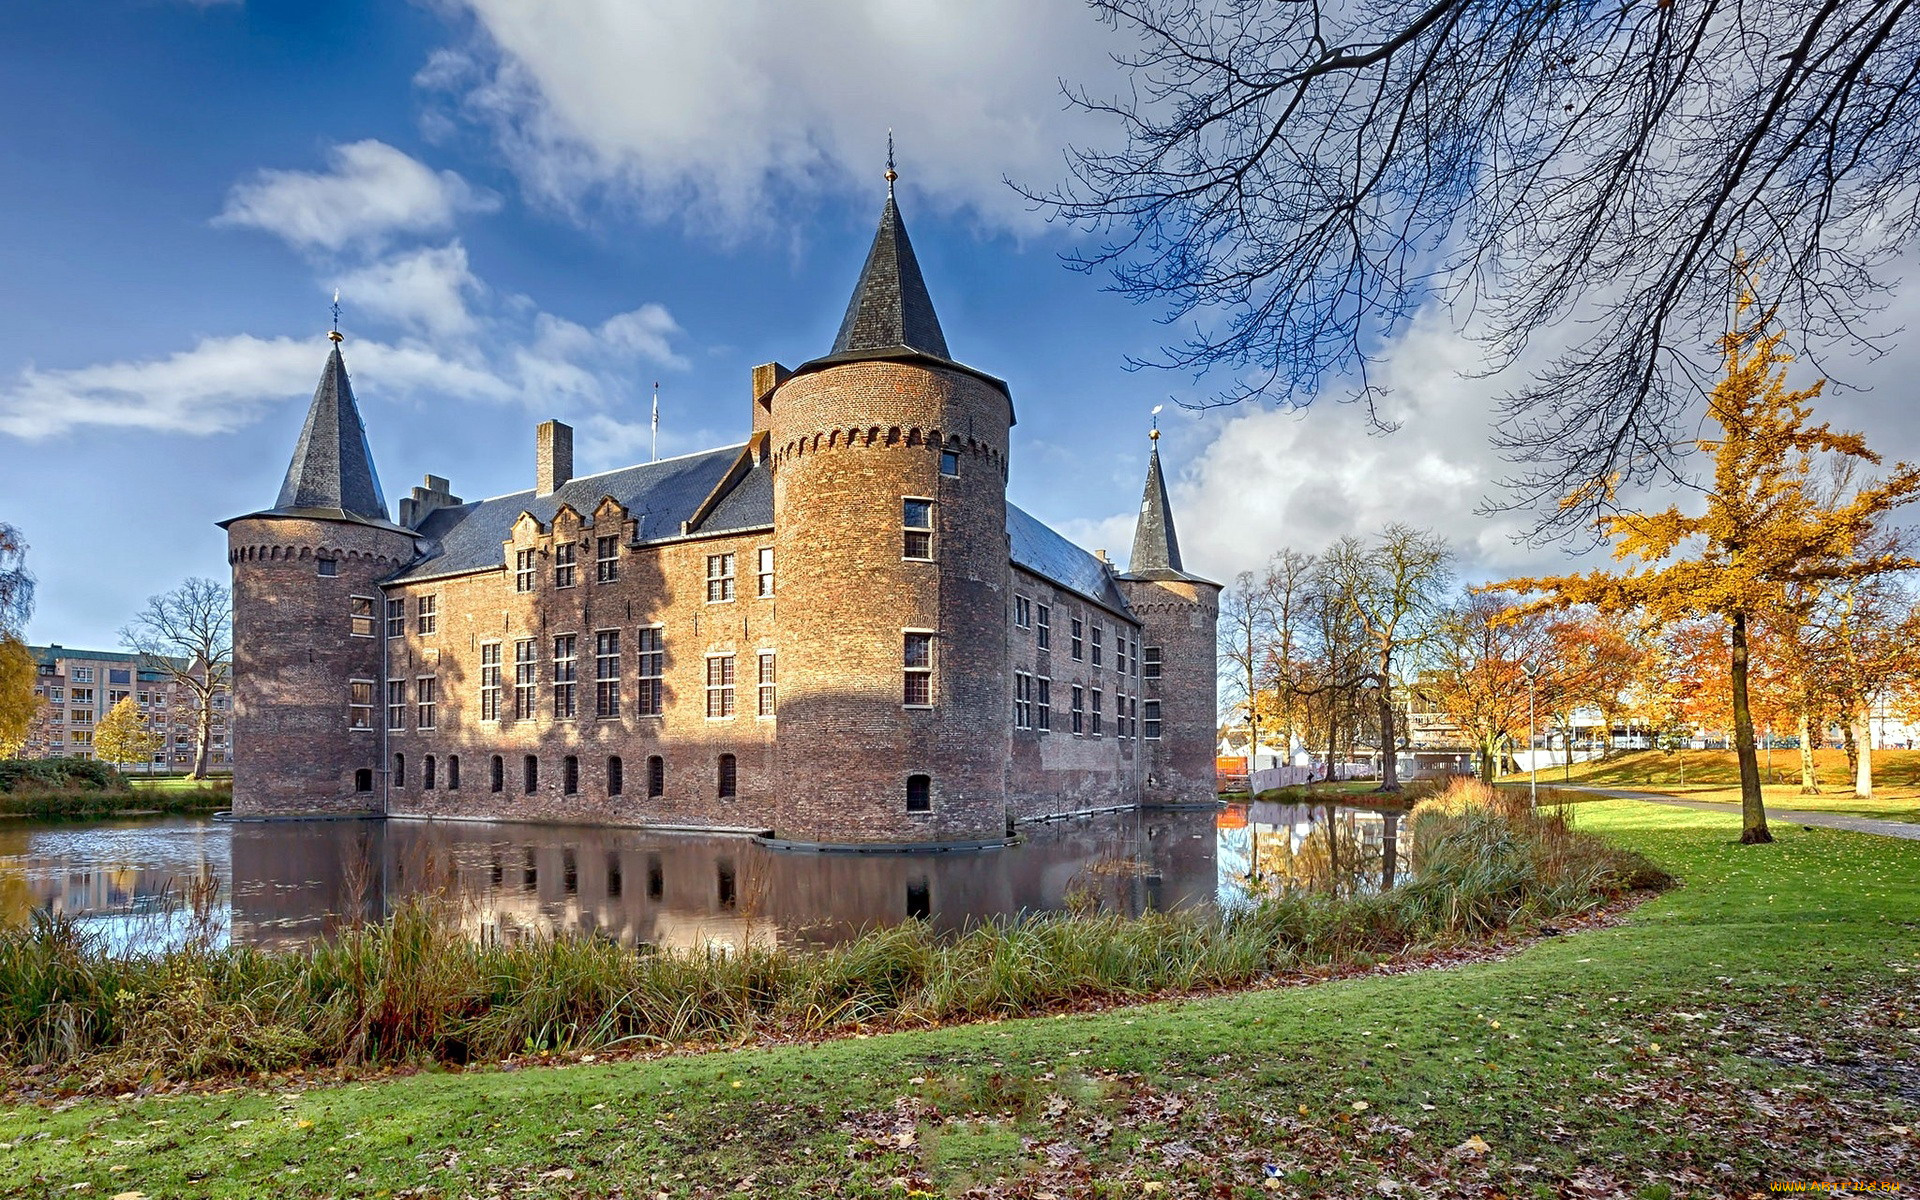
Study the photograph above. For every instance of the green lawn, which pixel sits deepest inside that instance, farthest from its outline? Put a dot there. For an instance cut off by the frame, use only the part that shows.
(1714, 776)
(1756, 1024)
(179, 783)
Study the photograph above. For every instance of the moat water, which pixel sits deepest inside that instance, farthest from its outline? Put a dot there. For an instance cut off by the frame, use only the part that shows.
(285, 884)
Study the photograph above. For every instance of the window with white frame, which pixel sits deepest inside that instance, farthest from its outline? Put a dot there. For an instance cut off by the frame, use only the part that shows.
(765, 563)
(950, 463)
(396, 618)
(1077, 639)
(83, 674)
(1043, 704)
(563, 564)
(1099, 649)
(1133, 657)
(524, 679)
(1150, 662)
(359, 620)
(1119, 716)
(1043, 627)
(650, 658)
(1093, 713)
(396, 704)
(1022, 700)
(426, 701)
(917, 664)
(606, 559)
(719, 686)
(359, 704)
(1022, 612)
(606, 673)
(490, 681)
(916, 520)
(565, 676)
(719, 578)
(767, 697)
(1079, 710)
(523, 568)
(1152, 720)
(429, 614)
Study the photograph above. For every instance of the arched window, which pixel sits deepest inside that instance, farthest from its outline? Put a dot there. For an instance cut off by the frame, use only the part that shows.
(399, 770)
(729, 777)
(656, 776)
(919, 793)
(363, 779)
(426, 773)
(531, 770)
(497, 775)
(453, 772)
(616, 775)
(570, 775)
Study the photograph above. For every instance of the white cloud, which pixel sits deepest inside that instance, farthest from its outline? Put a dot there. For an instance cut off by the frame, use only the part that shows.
(370, 192)
(426, 290)
(716, 112)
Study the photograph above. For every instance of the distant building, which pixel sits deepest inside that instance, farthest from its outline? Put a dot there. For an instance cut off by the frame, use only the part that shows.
(837, 632)
(79, 687)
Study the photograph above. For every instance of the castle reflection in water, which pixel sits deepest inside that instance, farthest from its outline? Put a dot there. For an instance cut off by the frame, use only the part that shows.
(284, 884)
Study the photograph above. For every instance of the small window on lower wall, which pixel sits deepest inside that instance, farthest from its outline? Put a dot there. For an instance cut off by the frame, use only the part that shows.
(656, 776)
(497, 774)
(531, 769)
(453, 772)
(570, 775)
(427, 773)
(399, 770)
(616, 775)
(919, 793)
(729, 777)
(363, 779)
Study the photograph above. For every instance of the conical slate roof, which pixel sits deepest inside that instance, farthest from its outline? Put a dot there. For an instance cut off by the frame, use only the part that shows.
(890, 309)
(1156, 547)
(332, 467)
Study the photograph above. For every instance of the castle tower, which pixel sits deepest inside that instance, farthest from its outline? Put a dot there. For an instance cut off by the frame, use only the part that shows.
(1179, 615)
(308, 622)
(889, 473)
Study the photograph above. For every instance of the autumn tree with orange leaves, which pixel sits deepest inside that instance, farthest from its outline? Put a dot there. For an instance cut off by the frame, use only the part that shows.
(1764, 527)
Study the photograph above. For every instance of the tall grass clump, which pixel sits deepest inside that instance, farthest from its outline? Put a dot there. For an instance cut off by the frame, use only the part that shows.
(414, 989)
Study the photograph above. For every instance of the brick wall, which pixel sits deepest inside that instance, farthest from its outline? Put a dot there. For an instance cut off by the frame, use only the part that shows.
(1181, 617)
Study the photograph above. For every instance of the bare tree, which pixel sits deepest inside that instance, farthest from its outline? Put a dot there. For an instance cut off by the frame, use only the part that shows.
(16, 583)
(1288, 587)
(188, 633)
(1394, 588)
(1299, 177)
(1246, 626)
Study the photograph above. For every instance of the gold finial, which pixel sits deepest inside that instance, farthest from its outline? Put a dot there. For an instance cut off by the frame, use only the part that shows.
(891, 173)
(336, 337)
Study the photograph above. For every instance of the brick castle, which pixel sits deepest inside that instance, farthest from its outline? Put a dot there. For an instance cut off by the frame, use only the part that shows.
(838, 633)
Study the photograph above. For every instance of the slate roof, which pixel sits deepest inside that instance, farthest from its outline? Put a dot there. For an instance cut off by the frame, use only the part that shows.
(1040, 550)
(890, 308)
(332, 467)
(661, 496)
(1156, 545)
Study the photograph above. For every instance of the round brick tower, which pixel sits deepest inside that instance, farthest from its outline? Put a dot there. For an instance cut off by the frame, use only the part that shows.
(889, 491)
(308, 623)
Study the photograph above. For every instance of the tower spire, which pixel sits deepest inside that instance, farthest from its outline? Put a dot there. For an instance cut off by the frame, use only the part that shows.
(332, 467)
(890, 310)
(1156, 546)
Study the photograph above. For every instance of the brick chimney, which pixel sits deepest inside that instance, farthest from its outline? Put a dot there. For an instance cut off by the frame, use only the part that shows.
(553, 457)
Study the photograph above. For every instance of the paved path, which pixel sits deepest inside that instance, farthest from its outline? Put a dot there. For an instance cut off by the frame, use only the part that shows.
(1897, 829)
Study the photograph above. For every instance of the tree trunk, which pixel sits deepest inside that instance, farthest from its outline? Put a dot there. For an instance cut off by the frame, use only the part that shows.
(1487, 752)
(202, 737)
(1753, 810)
(1863, 759)
(1389, 763)
(1851, 747)
(1809, 782)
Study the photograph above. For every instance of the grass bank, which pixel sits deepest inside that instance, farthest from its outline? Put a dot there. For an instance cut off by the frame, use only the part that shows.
(1714, 776)
(1756, 1024)
(83, 788)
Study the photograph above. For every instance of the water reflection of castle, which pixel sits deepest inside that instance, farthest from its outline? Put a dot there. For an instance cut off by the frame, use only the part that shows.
(112, 869)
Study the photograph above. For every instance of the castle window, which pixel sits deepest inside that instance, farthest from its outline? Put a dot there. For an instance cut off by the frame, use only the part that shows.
(490, 681)
(652, 655)
(766, 570)
(396, 618)
(1099, 651)
(523, 564)
(530, 774)
(729, 777)
(1093, 713)
(523, 685)
(429, 614)
(396, 704)
(1151, 663)
(497, 774)
(1153, 720)
(1022, 700)
(1076, 638)
(399, 770)
(1043, 629)
(606, 673)
(1119, 716)
(363, 779)
(719, 578)
(917, 517)
(1079, 710)
(616, 775)
(570, 775)
(656, 784)
(719, 686)
(1133, 655)
(917, 664)
(327, 566)
(767, 695)
(1043, 704)
(919, 793)
(563, 564)
(426, 701)
(453, 772)
(1133, 716)
(359, 616)
(563, 677)
(950, 463)
(427, 773)
(1022, 612)
(606, 559)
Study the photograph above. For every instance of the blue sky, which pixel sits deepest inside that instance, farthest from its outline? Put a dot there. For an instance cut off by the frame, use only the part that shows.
(535, 211)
